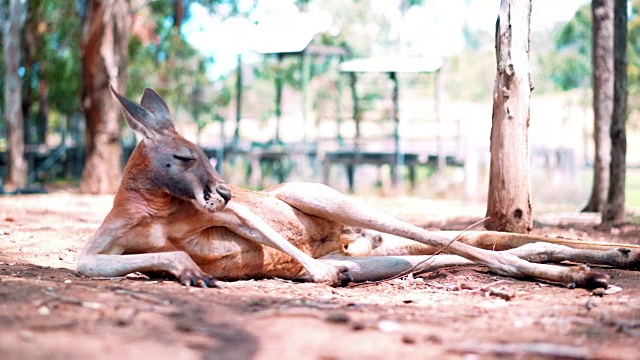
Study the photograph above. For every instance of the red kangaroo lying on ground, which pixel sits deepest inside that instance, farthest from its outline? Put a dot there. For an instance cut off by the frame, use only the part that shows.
(173, 213)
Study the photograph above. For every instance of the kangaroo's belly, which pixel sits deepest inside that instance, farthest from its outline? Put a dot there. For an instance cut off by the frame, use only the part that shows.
(227, 255)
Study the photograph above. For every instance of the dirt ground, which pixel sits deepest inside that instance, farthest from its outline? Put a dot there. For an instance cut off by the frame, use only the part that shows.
(48, 311)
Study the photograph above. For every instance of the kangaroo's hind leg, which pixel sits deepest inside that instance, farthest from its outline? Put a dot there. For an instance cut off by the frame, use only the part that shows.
(322, 201)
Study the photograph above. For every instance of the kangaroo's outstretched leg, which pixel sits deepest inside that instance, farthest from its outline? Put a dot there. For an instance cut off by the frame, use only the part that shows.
(322, 201)
(374, 268)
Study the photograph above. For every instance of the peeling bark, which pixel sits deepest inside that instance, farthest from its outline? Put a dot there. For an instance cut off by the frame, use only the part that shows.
(509, 200)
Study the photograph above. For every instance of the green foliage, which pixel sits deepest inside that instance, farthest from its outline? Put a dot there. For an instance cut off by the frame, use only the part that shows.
(363, 31)
(61, 57)
(632, 200)
(51, 63)
(2, 120)
(470, 74)
(568, 65)
(633, 51)
(170, 65)
(473, 39)
(576, 33)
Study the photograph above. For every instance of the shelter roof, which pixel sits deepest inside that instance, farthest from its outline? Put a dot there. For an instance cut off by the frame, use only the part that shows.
(393, 63)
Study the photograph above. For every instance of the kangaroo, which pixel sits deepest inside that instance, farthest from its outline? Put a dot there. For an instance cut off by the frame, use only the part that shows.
(174, 213)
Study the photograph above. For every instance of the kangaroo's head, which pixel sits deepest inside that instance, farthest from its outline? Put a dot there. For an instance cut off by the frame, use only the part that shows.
(168, 161)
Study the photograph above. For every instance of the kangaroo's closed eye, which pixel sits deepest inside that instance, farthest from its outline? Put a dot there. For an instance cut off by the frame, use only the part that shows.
(183, 158)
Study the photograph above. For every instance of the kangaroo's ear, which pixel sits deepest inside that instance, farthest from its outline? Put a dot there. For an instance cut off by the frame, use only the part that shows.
(140, 119)
(154, 103)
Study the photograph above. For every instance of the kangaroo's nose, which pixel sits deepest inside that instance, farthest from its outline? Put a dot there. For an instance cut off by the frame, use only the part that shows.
(224, 191)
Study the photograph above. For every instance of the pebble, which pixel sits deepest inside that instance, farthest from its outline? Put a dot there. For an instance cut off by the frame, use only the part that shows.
(388, 326)
(338, 317)
(26, 335)
(408, 339)
(612, 289)
(43, 310)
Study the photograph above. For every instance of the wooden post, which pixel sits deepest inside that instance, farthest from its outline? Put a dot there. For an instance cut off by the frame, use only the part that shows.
(279, 82)
(509, 200)
(306, 104)
(353, 79)
(442, 157)
(236, 132)
(398, 163)
(340, 86)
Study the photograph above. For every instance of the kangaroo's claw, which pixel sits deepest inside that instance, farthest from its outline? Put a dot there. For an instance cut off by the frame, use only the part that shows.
(345, 277)
(198, 279)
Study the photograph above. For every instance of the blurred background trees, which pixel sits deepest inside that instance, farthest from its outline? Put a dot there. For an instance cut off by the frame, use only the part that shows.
(104, 54)
(200, 85)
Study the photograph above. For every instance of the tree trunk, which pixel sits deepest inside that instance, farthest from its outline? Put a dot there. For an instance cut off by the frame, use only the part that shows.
(357, 113)
(178, 14)
(104, 52)
(12, 21)
(43, 110)
(614, 209)
(602, 48)
(35, 64)
(509, 200)
(279, 84)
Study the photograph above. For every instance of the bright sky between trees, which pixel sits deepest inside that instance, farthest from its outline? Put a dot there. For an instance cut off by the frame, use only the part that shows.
(223, 39)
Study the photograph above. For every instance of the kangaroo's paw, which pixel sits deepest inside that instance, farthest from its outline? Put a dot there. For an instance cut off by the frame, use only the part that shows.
(195, 277)
(329, 275)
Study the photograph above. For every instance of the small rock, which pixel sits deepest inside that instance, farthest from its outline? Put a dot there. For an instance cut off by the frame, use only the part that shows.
(66, 256)
(26, 335)
(493, 304)
(612, 289)
(125, 316)
(338, 317)
(408, 339)
(388, 326)
(43, 310)
(91, 305)
(432, 338)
